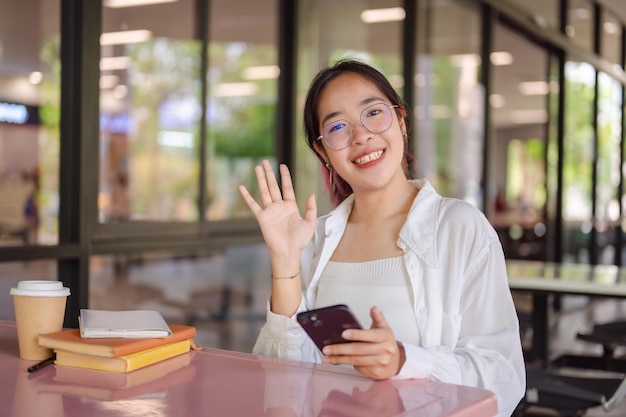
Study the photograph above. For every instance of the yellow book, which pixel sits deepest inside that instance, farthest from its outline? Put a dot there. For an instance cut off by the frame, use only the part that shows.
(125, 363)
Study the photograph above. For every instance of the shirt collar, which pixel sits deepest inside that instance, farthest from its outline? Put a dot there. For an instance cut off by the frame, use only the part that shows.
(420, 229)
(418, 233)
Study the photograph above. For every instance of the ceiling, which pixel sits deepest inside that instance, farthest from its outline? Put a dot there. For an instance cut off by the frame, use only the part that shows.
(617, 6)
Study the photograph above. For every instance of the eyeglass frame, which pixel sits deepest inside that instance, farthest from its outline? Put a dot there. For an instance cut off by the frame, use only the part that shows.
(389, 106)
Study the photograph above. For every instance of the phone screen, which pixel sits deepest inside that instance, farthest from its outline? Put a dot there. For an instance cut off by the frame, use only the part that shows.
(325, 325)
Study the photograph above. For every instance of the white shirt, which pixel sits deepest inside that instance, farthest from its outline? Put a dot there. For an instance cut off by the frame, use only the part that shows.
(468, 326)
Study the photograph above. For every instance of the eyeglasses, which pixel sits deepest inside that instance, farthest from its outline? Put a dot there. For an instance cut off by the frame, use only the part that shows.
(376, 118)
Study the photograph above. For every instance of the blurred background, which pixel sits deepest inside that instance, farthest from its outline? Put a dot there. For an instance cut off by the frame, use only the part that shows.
(126, 126)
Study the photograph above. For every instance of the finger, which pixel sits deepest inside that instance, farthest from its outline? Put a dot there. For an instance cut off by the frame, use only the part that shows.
(360, 348)
(378, 319)
(355, 360)
(285, 178)
(272, 184)
(310, 213)
(264, 193)
(250, 201)
(373, 334)
(374, 366)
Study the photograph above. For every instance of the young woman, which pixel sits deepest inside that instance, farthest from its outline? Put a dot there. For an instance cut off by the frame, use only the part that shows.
(424, 274)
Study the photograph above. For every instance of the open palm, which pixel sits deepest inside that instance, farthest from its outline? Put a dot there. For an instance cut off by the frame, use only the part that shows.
(284, 229)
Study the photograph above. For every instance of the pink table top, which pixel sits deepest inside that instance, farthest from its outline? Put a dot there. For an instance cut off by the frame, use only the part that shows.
(223, 383)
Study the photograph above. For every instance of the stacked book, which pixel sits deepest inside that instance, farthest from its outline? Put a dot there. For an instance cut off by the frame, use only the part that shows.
(118, 341)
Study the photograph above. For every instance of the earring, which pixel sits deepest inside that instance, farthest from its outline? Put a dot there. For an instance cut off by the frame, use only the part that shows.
(330, 177)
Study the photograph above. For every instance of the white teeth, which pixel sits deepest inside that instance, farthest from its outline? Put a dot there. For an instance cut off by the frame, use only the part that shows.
(368, 158)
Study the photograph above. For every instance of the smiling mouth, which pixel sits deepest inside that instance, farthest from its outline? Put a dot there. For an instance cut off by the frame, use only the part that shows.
(368, 158)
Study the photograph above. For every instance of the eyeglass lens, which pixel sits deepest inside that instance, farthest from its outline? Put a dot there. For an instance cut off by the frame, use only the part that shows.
(375, 118)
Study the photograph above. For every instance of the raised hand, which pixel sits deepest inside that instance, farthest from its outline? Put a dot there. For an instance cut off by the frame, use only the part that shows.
(373, 352)
(285, 231)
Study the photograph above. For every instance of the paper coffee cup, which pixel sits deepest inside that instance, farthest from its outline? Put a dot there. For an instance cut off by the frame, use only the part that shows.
(39, 308)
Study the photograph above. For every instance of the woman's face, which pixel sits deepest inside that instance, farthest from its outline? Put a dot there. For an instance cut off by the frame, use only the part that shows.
(371, 160)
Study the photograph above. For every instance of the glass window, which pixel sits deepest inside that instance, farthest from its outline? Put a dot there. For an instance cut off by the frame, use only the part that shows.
(368, 30)
(243, 90)
(517, 180)
(149, 112)
(29, 121)
(13, 272)
(450, 99)
(223, 293)
(607, 211)
(578, 157)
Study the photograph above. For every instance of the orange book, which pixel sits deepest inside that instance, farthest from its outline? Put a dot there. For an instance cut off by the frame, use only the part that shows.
(124, 363)
(69, 340)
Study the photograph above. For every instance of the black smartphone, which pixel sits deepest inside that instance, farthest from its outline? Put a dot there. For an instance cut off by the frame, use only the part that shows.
(325, 325)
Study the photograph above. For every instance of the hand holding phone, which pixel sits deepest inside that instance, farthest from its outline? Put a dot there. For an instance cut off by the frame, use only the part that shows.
(325, 325)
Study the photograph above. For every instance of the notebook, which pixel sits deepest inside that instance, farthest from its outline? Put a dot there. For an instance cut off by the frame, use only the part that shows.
(130, 324)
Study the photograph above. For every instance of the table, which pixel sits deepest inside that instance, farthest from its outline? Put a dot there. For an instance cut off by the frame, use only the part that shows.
(545, 278)
(223, 383)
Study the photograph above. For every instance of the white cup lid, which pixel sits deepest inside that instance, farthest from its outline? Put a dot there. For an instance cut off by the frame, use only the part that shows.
(40, 289)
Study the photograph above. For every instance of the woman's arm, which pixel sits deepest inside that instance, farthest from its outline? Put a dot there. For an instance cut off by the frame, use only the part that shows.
(285, 233)
(487, 352)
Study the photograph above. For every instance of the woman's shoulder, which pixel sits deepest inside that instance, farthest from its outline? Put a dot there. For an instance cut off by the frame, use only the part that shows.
(457, 208)
(464, 220)
(457, 215)
(430, 199)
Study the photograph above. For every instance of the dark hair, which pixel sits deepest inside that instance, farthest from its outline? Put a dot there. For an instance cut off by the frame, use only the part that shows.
(338, 188)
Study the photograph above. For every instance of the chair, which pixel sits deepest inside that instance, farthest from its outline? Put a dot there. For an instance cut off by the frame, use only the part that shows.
(571, 392)
(573, 383)
(611, 336)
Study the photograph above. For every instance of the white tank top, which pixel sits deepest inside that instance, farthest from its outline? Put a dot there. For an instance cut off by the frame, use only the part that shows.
(383, 283)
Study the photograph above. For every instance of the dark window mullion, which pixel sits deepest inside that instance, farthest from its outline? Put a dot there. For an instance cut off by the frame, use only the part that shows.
(487, 24)
(81, 24)
(593, 238)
